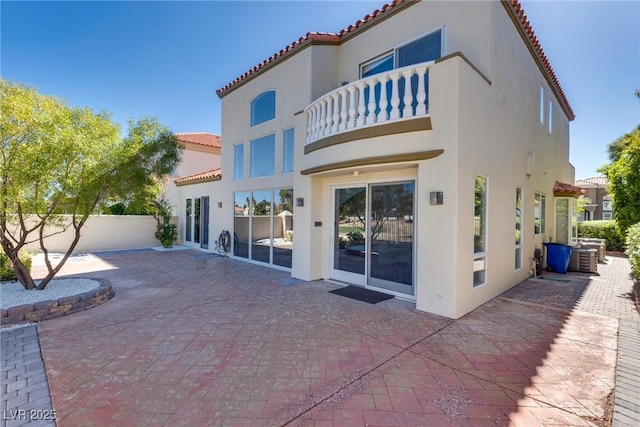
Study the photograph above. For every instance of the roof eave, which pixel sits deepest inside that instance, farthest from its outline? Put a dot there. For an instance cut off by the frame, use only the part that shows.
(316, 39)
(180, 183)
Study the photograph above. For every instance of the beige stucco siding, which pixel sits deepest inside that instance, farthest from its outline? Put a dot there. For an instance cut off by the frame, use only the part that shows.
(484, 115)
(195, 159)
(216, 215)
(466, 31)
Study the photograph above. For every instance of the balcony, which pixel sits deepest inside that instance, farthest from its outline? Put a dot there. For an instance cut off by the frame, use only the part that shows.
(390, 97)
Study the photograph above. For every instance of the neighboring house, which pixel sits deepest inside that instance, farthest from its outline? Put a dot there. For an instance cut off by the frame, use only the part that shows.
(601, 206)
(200, 163)
(422, 152)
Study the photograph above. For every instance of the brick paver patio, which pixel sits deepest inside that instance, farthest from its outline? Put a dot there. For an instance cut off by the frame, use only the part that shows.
(201, 340)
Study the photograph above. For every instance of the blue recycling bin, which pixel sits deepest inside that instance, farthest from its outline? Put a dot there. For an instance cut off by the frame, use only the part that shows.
(558, 257)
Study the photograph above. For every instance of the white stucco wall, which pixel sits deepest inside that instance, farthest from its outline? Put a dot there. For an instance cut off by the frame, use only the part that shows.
(195, 159)
(215, 194)
(466, 31)
(104, 233)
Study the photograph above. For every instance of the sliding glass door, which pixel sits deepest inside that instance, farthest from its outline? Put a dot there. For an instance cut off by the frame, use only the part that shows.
(349, 246)
(391, 232)
(373, 237)
(196, 229)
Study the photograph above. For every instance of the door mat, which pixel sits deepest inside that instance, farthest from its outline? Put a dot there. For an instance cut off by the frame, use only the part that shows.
(361, 294)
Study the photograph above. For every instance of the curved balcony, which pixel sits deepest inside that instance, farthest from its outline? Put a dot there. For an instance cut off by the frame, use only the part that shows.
(392, 96)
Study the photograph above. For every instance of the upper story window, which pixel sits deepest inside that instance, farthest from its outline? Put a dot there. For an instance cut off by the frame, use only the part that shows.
(550, 124)
(377, 66)
(424, 49)
(287, 151)
(263, 155)
(542, 104)
(238, 161)
(263, 107)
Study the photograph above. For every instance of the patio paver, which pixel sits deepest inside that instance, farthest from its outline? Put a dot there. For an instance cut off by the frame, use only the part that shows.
(192, 341)
(26, 398)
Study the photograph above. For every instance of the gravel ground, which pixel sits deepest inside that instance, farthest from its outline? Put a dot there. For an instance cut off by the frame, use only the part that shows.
(14, 294)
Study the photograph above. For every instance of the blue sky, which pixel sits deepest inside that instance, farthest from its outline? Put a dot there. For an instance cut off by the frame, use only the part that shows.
(166, 59)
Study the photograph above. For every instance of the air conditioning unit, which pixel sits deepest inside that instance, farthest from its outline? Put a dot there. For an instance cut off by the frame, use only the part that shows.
(598, 244)
(584, 260)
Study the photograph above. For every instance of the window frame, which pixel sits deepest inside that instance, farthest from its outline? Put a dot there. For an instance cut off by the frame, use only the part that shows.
(255, 159)
(550, 116)
(285, 153)
(542, 102)
(385, 55)
(542, 227)
(518, 240)
(394, 51)
(250, 214)
(253, 121)
(238, 160)
(484, 221)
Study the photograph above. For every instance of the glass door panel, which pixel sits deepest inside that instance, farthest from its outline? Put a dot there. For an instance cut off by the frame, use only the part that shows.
(188, 220)
(241, 209)
(349, 231)
(391, 235)
(283, 227)
(205, 223)
(196, 220)
(261, 226)
(566, 221)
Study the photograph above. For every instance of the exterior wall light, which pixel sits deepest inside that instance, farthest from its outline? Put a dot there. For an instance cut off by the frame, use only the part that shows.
(300, 202)
(436, 198)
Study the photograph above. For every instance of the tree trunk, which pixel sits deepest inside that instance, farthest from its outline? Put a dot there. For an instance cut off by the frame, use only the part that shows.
(53, 271)
(21, 271)
(23, 274)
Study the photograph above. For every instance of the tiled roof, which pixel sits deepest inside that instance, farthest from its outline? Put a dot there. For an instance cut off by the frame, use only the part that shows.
(212, 175)
(561, 189)
(200, 138)
(320, 37)
(596, 181)
(335, 38)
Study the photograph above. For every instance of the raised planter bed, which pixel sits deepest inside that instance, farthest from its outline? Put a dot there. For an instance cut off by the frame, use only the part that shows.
(52, 309)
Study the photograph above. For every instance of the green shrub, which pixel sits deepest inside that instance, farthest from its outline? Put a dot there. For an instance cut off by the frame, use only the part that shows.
(6, 266)
(633, 249)
(166, 232)
(608, 230)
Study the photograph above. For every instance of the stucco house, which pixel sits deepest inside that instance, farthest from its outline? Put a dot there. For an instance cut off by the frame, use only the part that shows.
(601, 206)
(200, 163)
(421, 152)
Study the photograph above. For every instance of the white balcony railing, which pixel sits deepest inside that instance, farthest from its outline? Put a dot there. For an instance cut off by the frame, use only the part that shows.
(396, 95)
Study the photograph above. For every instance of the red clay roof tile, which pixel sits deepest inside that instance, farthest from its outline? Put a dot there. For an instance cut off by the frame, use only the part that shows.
(212, 175)
(200, 138)
(562, 189)
(336, 38)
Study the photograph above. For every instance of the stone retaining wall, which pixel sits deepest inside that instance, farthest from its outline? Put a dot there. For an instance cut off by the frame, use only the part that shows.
(51, 309)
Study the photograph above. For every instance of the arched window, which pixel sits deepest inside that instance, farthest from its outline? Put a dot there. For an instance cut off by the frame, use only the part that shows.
(263, 107)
